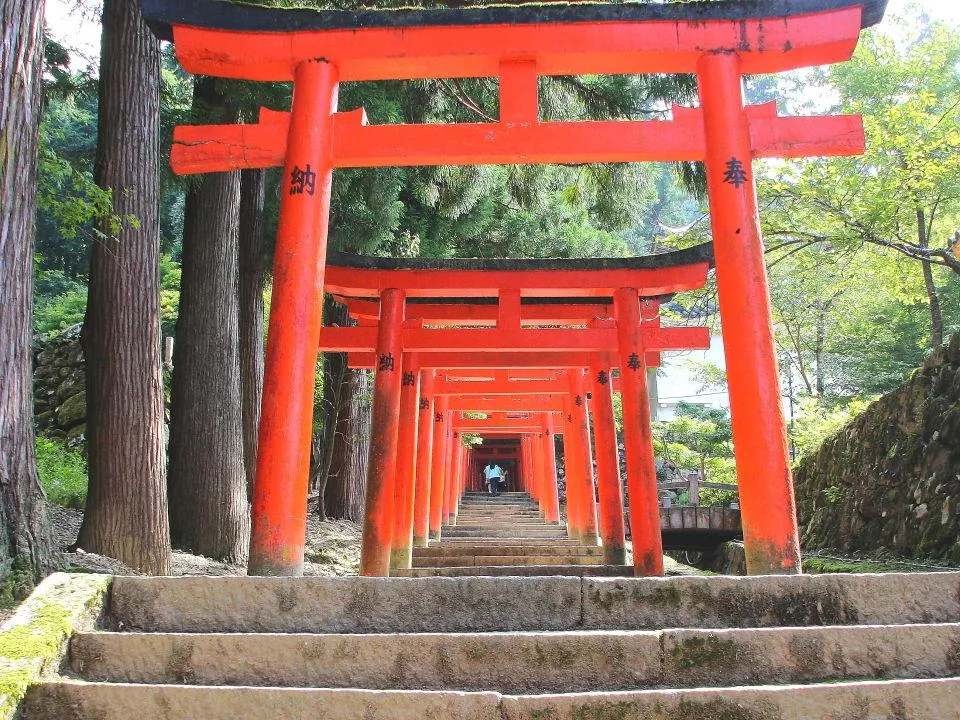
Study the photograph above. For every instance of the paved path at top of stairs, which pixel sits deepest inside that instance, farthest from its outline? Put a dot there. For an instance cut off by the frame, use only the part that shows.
(868, 647)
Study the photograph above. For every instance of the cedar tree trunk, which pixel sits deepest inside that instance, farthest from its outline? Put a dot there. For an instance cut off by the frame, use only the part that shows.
(209, 512)
(252, 278)
(347, 417)
(126, 515)
(26, 545)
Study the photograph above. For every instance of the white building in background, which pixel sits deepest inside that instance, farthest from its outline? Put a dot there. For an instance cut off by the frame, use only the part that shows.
(677, 381)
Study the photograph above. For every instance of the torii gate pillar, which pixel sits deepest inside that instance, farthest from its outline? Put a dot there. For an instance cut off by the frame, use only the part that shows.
(609, 487)
(401, 548)
(382, 461)
(438, 471)
(759, 430)
(551, 492)
(638, 437)
(279, 511)
(580, 417)
(421, 512)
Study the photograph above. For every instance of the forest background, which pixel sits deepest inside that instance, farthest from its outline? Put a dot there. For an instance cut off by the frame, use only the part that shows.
(863, 253)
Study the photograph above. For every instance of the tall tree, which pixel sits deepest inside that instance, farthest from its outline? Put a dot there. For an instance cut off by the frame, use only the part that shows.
(903, 195)
(209, 511)
(252, 279)
(340, 457)
(26, 545)
(126, 515)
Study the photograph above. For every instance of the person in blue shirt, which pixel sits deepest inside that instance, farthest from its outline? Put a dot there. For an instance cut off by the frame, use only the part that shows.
(494, 476)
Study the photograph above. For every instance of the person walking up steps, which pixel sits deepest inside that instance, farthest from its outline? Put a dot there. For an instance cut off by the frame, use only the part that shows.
(494, 475)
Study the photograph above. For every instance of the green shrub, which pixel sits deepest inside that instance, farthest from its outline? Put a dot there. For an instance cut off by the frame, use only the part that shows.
(51, 315)
(63, 473)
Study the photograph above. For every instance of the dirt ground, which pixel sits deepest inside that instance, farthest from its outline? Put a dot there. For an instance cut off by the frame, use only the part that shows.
(333, 549)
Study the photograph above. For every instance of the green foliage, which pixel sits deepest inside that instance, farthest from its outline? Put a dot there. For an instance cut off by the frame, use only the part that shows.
(63, 473)
(72, 210)
(844, 228)
(59, 302)
(699, 439)
(169, 295)
(818, 419)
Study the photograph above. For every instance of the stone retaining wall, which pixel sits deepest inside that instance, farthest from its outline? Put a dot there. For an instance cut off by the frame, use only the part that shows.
(890, 479)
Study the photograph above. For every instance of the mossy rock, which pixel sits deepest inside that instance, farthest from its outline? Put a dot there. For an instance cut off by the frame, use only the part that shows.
(73, 411)
(33, 642)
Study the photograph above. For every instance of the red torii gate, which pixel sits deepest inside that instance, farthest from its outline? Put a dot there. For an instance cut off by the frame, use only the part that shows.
(570, 385)
(630, 287)
(718, 41)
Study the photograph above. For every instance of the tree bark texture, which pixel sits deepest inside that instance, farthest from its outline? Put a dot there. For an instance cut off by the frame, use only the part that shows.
(209, 511)
(347, 414)
(933, 297)
(252, 278)
(126, 515)
(26, 544)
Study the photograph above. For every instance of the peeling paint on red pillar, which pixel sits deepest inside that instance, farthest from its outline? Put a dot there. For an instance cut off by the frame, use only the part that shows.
(279, 508)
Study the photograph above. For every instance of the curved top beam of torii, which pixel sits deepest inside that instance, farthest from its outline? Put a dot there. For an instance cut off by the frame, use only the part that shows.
(516, 44)
(458, 279)
(629, 37)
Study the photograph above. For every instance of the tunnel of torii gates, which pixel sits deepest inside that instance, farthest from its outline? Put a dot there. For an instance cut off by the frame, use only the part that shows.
(719, 42)
(563, 317)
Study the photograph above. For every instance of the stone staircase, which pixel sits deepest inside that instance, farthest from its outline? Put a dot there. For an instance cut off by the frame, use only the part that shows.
(506, 535)
(853, 647)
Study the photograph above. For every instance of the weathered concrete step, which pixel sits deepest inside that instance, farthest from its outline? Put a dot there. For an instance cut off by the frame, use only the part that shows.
(457, 550)
(478, 604)
(872, 700)
(471, 560)
(522, 662)
(520, 570)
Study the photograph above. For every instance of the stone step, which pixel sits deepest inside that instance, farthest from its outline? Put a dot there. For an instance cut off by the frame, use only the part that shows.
(519, 570)
(549, 530)
(498, 502)
(478, 549)
(492, 508)
(505, 535)
(485, 495)
(482, 604)
(522, 662)
(863, 700)
(525, 527)
(454, 542)
(500, 520)
(473, 560)
(499, 513)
